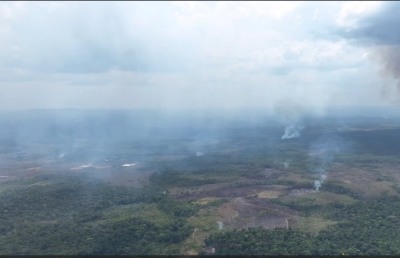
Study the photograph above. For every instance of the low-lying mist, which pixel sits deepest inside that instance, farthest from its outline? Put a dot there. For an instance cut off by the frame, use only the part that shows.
(100, 131)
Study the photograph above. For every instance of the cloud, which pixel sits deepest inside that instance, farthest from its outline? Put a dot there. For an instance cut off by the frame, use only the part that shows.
(378, 30)
(180, 55)
(352, 11)
(85, 37)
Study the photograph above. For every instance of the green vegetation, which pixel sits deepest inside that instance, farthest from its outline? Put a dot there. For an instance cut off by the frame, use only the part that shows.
(77, 215)
(260, 242)
(366, 227)
(245, 178)
(312, 224)
(314, 200)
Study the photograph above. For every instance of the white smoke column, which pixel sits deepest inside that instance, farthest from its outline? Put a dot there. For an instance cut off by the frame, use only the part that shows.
(290, 113)
(220, 225)
(292, 131)
(318, 183)
(323, 151)
(286, 164)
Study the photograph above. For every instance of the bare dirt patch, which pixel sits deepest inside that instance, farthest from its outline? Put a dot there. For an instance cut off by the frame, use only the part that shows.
(269, 194)
(362, 181)
(252, 213)
(195, 192)
(247, 190)
(301, 192)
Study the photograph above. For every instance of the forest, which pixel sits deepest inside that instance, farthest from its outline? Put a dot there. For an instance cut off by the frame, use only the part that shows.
(56, 214)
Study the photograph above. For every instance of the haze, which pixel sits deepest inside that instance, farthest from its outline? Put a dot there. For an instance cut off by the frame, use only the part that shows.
(196, 55)
(192, 128)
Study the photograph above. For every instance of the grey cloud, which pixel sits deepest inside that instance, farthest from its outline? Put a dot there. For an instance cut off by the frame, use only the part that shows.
(381, 31)
(380, 28)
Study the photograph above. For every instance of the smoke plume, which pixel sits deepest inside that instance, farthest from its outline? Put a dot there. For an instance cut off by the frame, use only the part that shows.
(292, 131)
(318, 183)
(290, 114)
(323, 152)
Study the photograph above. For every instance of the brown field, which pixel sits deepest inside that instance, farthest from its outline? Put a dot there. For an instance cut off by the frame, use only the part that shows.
(365, 182)
(246, 213)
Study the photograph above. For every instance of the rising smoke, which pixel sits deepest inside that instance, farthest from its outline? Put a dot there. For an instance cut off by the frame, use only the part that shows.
(292, 131)
(291, 115)
(319, 182)
(323, 152)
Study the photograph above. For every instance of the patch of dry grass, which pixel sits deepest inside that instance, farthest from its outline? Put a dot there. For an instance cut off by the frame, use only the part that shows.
(206, 200)
(269, 194)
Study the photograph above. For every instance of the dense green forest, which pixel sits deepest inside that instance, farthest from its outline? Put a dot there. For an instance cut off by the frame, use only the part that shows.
(68, 215)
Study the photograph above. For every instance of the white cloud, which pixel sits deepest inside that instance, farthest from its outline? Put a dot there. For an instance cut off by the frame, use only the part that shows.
(352, 11)
(177, 54)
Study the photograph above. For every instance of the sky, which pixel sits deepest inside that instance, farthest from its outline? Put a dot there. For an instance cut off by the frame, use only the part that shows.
(198, 55)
